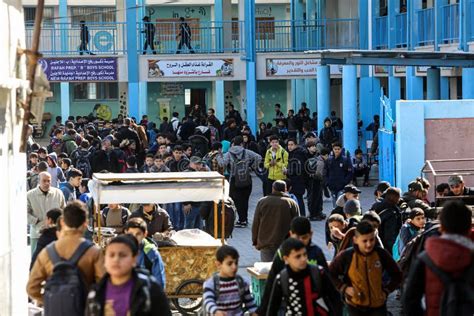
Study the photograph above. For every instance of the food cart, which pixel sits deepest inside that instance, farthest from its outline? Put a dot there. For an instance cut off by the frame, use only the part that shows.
(186, 267)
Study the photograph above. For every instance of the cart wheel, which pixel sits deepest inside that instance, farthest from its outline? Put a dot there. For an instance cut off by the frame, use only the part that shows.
(188, 306)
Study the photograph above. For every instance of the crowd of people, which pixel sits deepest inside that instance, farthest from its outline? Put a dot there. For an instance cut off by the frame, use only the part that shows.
(376, 251)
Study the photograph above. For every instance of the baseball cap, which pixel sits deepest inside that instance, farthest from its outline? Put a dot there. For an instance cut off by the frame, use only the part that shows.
(455, 180)
(415, 186)
(350, 188)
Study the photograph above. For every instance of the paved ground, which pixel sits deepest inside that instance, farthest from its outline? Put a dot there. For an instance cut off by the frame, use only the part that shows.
(242, 237)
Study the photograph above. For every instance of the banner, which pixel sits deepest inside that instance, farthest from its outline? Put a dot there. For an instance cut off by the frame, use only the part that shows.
(80, 69)
(190, 68)
(291, 67)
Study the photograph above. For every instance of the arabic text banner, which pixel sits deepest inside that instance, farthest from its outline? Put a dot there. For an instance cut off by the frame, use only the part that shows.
(80, 69)
(291, 67)
(190, 68)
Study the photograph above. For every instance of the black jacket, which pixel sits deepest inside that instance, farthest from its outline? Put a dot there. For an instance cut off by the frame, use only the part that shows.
(126, 132)
(155, 299)
(413, 202)
(338, 172)
(47, 236)
(159, 223)
(391, 217)
(296, 170)
(102, 160)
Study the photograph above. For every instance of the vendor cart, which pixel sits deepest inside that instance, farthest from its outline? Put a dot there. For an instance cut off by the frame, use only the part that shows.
(186, 267)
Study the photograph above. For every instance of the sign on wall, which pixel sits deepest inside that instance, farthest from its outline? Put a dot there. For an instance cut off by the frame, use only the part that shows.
(172, 89)
(80, 69)
(190, 68)
(291, 67)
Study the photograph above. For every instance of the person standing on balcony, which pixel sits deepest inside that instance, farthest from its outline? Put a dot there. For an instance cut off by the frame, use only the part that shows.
(149, 35)
(184, 36)
(85, 37)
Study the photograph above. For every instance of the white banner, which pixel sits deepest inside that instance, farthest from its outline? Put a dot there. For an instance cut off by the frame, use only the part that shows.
(190, 68)
(291, 67)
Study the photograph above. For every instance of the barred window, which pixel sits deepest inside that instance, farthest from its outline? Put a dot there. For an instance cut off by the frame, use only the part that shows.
(30, 12)
(265, 28)
(93, 14)
(96, 91)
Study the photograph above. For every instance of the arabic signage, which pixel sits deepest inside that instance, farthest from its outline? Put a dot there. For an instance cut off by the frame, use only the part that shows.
(80, 69)
(291, 67)
(172, 89)
(190, 68)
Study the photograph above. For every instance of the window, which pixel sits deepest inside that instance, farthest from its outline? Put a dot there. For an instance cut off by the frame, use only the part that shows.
(187, 97)
(96, 91)
(265, 28)
(93, 14)
(48, 16)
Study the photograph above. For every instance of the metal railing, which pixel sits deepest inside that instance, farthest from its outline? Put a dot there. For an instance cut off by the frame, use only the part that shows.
(104, 39)
(200, 37)
(401, 30)
(450, 23)
(471, 24)
(426, 26)
(381, 32)
(294, 35)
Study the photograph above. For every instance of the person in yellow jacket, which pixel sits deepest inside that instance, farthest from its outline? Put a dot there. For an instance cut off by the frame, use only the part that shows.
(276, 162)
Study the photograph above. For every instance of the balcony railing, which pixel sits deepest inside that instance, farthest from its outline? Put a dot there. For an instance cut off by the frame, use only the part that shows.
(205, 37)
(104, 39)
(401, 30)
(381, 32)
(288, 35)
(450, 23)
(426, 27)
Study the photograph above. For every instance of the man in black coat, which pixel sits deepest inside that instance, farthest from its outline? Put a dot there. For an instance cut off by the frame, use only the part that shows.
(296, 172)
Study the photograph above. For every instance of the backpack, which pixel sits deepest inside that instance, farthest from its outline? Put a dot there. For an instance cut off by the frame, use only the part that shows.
(230, 216)
(458, 295)
(65, 292)
(391, 223)
(83, 163)
(241, 171)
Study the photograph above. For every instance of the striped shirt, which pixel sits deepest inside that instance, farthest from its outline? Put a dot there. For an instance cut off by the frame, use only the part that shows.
(231, 299)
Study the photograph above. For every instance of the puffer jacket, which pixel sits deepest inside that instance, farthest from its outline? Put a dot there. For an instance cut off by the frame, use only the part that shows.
(276, 172)
(296, 170)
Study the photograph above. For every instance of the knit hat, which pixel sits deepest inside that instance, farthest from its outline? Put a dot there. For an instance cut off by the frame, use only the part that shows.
(352, 207)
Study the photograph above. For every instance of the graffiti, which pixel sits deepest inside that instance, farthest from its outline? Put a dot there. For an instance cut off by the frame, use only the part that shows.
(263, 11)
(191, 11)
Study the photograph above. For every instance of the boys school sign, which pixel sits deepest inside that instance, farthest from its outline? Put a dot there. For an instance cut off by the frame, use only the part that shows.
(80, 69)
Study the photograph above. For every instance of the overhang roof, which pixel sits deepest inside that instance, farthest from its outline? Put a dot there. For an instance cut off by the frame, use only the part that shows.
(393, 58)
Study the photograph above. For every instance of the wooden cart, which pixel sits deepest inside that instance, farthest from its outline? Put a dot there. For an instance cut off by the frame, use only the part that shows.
(186, 267)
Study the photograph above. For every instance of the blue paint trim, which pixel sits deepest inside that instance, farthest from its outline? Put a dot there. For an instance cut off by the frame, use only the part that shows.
(65, 100)
(219, 107)
(444, 88)
(349, 108)
(468, 83)
(218, 18)
(414, 84)
(369, 104)
(310, 94)
(363, 24)
(463, 8)
(323, 93)
(251, 83)
(300, 92)
(394, 91)
(438, 20)
(393, 9)
(433, 83)
(133, 96)
(63, 19)
(142, 99)
(132, 59)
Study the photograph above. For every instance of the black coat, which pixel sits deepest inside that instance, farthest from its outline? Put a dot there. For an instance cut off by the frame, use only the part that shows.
(296, 170)
(102, 160)
(125, 132)
(138, 301)
(47, 236)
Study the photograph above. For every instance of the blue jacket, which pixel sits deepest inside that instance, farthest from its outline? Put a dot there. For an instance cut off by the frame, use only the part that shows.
(338, 173)
(149, 258)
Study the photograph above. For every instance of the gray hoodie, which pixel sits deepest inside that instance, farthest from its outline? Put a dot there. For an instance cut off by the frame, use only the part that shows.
(237, 152)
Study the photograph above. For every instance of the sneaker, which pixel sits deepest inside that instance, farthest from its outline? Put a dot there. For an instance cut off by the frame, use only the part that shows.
(241, 224)
(319, 217)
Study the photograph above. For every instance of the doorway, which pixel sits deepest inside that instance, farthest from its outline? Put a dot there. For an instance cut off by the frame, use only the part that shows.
(195, 96)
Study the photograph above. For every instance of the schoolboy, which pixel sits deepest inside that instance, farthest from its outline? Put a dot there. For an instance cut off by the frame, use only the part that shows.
(48, 234)
(159, 164)
(301, 288)
(236, 298)
(149, 257)
(337, 226)
(124, 290)
(357, 273)
(414, 226)
(146, 168)
(300, 229)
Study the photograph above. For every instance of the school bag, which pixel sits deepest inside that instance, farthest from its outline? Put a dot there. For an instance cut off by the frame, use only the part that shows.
(241, 171)
(458, 295)
(65, 292)
(83, 163)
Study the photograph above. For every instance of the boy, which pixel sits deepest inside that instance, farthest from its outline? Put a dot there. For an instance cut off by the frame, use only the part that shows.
(48, 234)
(149, 257)
(357, 273)
(300, 288)
(226, 293)
(33, 161)
(352, 212)
(300, 229)
(146, 168)
(159, 164)
(410, 230)
(360, 167)
(337, 227)
(339, 172)
(276, 161)
(74, 181)
(65, 165)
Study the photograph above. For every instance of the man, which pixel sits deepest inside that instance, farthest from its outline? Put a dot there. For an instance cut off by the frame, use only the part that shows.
(39, 201)
(85, 36)
(149, 35)
(179, 162)
(184, 36)
(315, 169)
(233, 113)
(105, 158)
(360, 167)
(296, 172)
(328, 134)
(240, 162)
(91, 264)
(456, 184)
(71, 187)
(451, 254)
(278, 113)
(413, 198)
(338, 172)
(276, 162)
(115, 216)
(231, 130)
(272, 219)
(157, 219)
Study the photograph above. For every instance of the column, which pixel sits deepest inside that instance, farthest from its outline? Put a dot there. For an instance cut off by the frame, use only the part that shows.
(223, 25)
(412, 22)
(369, 100)
(132, 59)
(300, 92)
(438, 22)
(323, 93)
(143, 99)
(433, 81)
(364, 24)
(219, 102)
(65, 100)
(393, 90)
(349, 108)
(393, 9)
(444, 88)
(464, 23)
(251, 85)
(310, 95)
(414, 84)
(468, 83)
